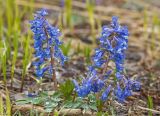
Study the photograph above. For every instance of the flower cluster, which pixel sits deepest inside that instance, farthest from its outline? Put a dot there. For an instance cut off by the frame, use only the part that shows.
(46, 44)
(114, 40)
(113, 44)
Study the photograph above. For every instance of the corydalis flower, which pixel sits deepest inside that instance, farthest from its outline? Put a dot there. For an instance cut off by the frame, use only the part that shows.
(113, 44)
(46, 44)
(114, 41)
(84, 89)
(106, 93)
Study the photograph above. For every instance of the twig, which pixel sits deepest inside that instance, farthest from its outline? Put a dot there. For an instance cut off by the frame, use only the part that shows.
(154, 111)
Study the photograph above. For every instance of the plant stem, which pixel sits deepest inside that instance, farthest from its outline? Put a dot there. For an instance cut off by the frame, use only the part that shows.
(53, 74)
(74, 97)
(52, 61)
(22, 83)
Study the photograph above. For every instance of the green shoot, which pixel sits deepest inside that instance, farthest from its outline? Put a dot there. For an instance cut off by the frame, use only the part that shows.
(1, 106)
(68, 13)
(87, 52)
(3, 50)
(66, 48)
(10, 18)
(99, 105)
(67, 89)
(90, 9)
(4, 64)
(150, 104)
(78, 48)
(155, 21)
(26, 59)
(8, 104)
(1, 36)
(15, 42)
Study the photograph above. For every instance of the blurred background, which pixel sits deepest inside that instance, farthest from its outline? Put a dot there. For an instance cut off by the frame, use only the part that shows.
(80, 22)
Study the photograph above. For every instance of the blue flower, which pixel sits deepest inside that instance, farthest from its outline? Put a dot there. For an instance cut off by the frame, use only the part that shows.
(40, 71)
(84, 89)
(108, 73)
(115, 23)
(46, 43)
(119, 75)
(98, 58)
(106, 93)
(136, 86)
(119, 93)
(112, 46)
(97, 85)
(92, 70)
(42, 12)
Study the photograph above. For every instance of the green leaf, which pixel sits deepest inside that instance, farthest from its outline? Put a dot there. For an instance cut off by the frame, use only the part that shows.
(92, 98)
(93, 107)
(67, 89)
(56, 99)
(76, 105)
(22, 102)
(85, 106)
(87, 52)
(99, 104)
(150, 104)
(57, 94)
(37, 100)
(43, 94)
(66, 48)
(1, 106)
(68, 104)
(68, 13)
(99, 114)
(8, 104)
(48, 109)
(56, 113)
(79, 99)
(51, 104)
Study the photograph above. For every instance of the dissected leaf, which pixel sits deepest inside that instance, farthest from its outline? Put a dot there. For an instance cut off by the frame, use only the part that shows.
(37, 100)
(85, 106)
(49, 106)
(76, 105)
(22, 102)
(93, 107)
(68, 104)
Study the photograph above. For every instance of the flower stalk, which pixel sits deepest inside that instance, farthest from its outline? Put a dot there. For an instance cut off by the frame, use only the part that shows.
(113, 43)
(52, 60)
(47, 46)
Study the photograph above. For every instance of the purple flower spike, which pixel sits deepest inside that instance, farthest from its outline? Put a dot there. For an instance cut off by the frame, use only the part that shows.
(45, 37)
(112, 46)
